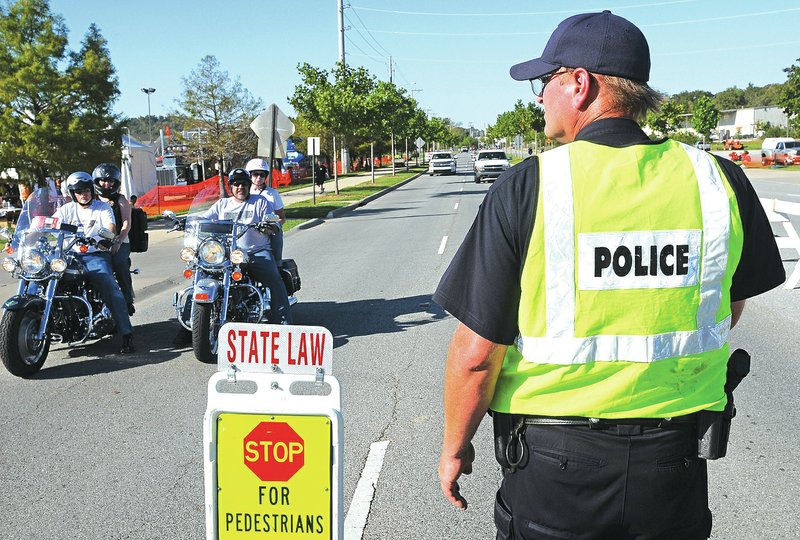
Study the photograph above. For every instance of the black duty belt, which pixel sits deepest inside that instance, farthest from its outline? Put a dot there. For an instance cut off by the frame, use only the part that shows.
(603, 423)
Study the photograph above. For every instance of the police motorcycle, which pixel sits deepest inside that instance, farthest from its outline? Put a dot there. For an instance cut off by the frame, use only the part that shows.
(221, 290)
(55, 302)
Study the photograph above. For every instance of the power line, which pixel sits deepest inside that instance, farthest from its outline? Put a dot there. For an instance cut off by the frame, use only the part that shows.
(515, 14)
(362, 36)
(364, 26)
(351, 42)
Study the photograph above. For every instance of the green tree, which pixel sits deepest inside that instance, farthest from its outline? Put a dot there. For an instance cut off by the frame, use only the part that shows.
(705, 116)
(55, 105)
(335, 101)
(668, 118)
(688, 98)
(790, 94)
(222, 108)
(731, 98)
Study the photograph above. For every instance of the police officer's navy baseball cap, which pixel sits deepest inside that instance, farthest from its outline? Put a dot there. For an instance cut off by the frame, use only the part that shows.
(602, 43)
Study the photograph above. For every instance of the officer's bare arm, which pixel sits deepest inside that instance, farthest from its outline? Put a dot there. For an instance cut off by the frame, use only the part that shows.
(736, 311)
(473, 364)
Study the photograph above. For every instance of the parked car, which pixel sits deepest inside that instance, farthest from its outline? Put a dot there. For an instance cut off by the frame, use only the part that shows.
(442, 162)
(490, 164)
(702, 145)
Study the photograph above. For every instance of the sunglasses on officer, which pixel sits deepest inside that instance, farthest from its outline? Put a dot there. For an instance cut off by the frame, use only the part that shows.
(260, 174)
(240, 183)
(537, 85)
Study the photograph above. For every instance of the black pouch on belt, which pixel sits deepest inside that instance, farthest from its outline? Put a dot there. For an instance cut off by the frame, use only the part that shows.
(714, 427)
(508, 439)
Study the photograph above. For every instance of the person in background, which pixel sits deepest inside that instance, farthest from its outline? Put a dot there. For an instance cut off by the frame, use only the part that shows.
(107, 180)
(91, 214)
(133, 200)
(596, 292)
(257, 168)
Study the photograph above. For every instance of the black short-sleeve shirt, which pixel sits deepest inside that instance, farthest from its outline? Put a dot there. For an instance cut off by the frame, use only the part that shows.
(481, 287)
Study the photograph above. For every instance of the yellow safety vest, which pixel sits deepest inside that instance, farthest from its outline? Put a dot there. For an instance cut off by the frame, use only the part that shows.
(625, 306)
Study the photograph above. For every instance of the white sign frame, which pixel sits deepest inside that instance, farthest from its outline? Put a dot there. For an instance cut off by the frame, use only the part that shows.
(273, 394)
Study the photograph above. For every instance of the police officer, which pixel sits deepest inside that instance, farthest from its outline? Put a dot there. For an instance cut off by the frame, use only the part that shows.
(243, 207)
(595, 294)
(90, 214)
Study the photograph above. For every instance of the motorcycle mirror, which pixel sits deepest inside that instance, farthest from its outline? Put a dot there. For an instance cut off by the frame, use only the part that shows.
(168, 214)
(5, 234)
(106, 234)
(272, 218)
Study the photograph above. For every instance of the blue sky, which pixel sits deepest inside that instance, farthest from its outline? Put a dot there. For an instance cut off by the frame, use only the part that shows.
(454, 54)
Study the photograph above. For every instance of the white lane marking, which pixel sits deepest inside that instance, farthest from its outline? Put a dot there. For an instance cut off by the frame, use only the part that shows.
(462, 189)
(357, 514)
(441, 246)
(455, 207)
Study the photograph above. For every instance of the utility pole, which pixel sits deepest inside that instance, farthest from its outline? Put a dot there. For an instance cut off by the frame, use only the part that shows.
(341, 31)
(390, 68)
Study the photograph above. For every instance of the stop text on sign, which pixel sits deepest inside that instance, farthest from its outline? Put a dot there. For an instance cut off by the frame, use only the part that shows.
(274, 451)
(264, 347)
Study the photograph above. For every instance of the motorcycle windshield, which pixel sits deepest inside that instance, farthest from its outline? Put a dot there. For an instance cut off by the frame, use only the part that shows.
(198, 226)
(36, 219)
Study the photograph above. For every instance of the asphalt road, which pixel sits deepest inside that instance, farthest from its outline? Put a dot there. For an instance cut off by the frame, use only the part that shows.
(103, 446)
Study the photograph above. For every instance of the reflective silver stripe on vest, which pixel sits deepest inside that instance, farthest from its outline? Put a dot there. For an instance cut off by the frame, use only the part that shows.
(560, 346)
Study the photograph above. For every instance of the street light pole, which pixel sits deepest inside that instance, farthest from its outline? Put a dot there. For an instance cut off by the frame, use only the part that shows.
(149, 91)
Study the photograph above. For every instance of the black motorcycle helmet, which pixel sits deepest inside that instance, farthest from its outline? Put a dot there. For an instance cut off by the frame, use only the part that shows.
(239, 176)
(106, 171)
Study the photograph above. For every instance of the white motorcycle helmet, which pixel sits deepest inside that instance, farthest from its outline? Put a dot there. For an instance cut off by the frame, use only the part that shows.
(257, 164)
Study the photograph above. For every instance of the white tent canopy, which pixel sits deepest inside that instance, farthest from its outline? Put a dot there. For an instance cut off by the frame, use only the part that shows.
(138, 167)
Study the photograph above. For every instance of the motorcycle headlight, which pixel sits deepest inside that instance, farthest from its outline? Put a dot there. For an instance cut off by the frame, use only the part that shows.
(188, 254)
(58, 265)
(32, 261)
(238, 256)
(212, 252)
(9, 264)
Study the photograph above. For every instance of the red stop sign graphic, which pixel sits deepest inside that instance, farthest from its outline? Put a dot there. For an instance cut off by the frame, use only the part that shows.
(274, 451)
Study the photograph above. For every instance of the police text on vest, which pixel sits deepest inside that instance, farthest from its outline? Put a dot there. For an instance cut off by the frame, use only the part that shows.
(638, 259)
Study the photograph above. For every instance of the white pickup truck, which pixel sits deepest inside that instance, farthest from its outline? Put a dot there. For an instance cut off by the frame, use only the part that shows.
(780, 150)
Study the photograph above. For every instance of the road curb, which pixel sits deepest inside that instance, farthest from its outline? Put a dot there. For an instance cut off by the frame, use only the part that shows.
(345, 209)
(333, 214)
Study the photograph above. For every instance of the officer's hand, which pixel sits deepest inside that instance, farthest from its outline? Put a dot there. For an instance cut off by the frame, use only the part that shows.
(450, 469)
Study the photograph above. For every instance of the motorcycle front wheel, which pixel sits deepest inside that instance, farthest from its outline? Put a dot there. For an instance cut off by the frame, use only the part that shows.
(205, 330)
(22, 354)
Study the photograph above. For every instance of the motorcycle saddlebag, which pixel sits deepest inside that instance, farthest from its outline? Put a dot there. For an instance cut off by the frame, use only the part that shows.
(290, 275)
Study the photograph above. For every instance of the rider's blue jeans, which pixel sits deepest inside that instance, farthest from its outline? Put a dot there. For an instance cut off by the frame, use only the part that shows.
(262, 268)
(98, 265)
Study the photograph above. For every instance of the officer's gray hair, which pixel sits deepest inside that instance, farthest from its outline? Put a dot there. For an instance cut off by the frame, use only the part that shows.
(632, 97)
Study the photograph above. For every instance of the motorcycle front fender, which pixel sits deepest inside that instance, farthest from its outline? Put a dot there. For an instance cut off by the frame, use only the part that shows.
(206, 291)
(21, 302)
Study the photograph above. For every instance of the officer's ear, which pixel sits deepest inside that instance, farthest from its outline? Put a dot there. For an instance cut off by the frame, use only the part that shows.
(585, 87)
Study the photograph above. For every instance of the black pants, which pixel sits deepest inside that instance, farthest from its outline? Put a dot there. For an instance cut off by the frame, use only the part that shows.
(620, 483)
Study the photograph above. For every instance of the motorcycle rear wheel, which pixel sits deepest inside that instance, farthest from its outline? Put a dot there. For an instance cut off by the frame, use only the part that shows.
(21, 353)
(205, 332)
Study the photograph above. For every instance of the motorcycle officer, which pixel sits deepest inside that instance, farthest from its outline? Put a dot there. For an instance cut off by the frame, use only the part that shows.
(259, 172)
(107, 180)
(91, 214)
(245, 208)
